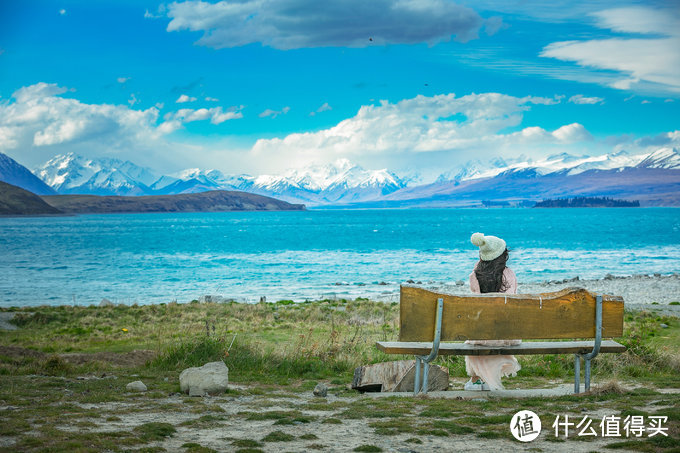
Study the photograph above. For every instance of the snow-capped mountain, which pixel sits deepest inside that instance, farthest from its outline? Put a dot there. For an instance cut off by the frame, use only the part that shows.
(71, 173)
(668, 158)
(343, 182)
(12, 172)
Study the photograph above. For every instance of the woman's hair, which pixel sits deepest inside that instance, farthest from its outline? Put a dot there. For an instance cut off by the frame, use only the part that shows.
(490, 274)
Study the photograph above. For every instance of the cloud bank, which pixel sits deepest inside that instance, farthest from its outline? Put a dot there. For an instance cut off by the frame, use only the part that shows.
(651, 62)
(294, 24)
(38, 121)
(452, 127)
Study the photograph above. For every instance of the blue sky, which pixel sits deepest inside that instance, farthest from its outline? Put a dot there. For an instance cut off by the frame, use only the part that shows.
(260, 86)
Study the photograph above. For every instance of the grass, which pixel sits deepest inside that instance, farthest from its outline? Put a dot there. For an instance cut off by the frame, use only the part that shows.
(278, 351)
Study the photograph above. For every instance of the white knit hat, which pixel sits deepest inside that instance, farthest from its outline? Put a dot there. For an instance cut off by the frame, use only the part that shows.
(490, 247)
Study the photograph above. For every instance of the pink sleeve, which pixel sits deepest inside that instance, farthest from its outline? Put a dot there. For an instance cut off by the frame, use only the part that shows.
(474, 283)
(510, 280)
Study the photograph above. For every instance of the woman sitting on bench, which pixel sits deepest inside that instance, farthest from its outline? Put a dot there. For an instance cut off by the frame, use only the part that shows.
(491, 275)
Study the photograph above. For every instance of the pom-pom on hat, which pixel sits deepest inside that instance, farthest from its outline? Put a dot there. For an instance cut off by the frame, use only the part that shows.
(490, 247)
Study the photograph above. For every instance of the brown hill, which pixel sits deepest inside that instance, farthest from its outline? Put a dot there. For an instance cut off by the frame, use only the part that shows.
(17, 201)
(212, 201)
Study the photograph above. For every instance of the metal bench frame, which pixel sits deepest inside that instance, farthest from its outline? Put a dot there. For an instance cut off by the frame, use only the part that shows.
(424, 361)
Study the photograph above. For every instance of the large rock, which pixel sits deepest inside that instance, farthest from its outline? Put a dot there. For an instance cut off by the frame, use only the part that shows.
(136, 386)
(209, 379)
(397, 376)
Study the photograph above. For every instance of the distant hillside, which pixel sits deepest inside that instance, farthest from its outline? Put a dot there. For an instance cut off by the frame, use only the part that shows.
(12, 172)
(17, 201)
(587, 202)
(213, 201)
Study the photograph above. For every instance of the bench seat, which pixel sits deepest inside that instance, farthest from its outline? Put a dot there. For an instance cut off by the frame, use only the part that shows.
(543, 347)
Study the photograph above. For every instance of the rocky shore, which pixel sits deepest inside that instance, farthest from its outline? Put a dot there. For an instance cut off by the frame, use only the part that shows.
(638, 291)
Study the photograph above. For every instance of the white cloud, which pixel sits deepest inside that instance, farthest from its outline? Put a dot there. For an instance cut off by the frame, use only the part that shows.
(274, 113)
(445, 125)
(293, 24)
(133, 100)
(324, 108)
(651, 63)
(645, 101)
(122, 79)
(581, 99)
(40, 117)
(62, 12)
(184, 98)
(572, 133)
(210, 99)
(216, 115)
(37, 123)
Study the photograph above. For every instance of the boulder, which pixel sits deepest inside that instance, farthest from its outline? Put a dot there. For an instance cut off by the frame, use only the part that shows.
(106, 303)
(320, 390)
(136, 386)
(209, 379)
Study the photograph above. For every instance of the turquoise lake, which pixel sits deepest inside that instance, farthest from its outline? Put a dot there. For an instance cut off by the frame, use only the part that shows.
(155, 258)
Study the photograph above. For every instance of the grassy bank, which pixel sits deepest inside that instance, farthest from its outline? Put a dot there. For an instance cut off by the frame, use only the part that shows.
(69, 365)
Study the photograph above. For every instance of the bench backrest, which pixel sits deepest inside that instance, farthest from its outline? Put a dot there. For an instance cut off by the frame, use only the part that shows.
(569, 313)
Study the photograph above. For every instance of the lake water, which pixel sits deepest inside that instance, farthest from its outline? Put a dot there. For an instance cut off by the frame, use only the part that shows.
(154, 258)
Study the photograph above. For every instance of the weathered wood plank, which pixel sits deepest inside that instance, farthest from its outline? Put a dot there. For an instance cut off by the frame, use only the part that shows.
(525, 348)
(569, 313)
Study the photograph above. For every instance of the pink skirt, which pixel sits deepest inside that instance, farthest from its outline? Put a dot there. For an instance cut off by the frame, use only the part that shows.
(492, 368)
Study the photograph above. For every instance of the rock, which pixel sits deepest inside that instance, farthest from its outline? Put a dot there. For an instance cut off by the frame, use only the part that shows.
(663, 326)
(263, 299)
(106, 303)
(396, 376)
(320, 390)
(210, 379)
(609, 277)
(136, 386)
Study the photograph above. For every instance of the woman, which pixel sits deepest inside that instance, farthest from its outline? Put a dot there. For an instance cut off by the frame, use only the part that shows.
(491, 275)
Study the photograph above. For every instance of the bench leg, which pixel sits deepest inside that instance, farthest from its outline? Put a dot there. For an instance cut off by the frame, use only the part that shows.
(577, 373)
(587, 374)
(416, 387)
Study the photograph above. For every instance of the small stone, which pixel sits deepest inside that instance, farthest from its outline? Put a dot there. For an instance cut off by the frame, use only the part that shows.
(136, 386)
(609, 277)
(210, 379)
(320, 390)
(106, 303)
(663, 326)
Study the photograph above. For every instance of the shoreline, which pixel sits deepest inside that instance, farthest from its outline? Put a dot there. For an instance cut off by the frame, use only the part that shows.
(638, 291)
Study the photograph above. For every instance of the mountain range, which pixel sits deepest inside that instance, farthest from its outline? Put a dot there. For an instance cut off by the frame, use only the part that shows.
(653, 178)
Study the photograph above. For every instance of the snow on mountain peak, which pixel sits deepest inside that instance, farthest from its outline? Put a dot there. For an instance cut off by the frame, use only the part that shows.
(72, 173)
(668, 158)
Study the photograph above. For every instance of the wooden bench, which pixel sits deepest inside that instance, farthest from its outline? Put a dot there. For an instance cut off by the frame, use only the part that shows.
(428, 318)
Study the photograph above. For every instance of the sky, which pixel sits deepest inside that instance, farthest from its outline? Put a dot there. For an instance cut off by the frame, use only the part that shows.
(260, 86)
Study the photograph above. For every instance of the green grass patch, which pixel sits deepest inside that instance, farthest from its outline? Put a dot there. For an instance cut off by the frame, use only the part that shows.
(368, 448)
(154, 431)
(278, 436)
